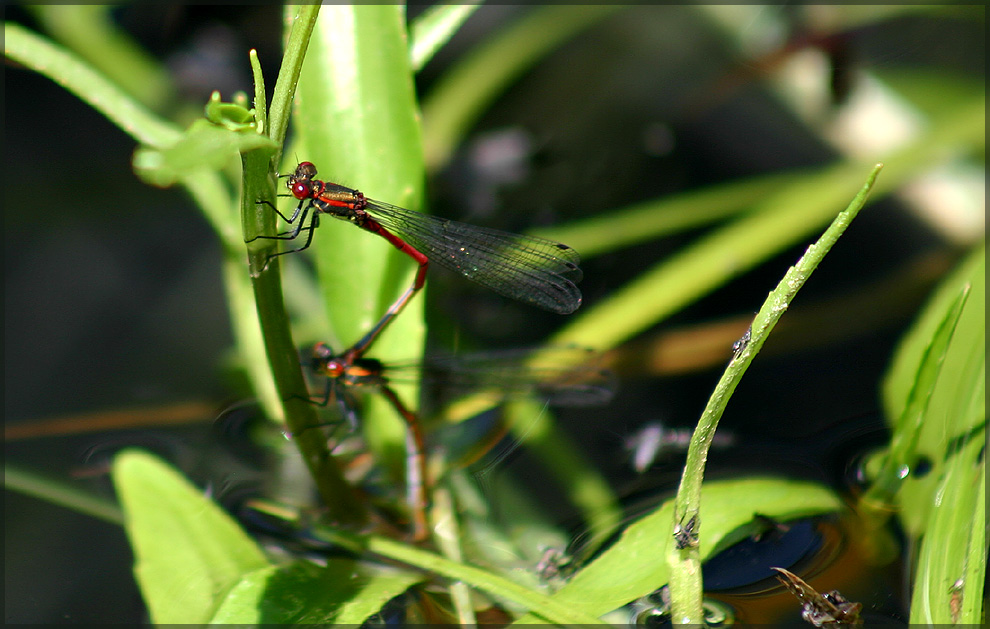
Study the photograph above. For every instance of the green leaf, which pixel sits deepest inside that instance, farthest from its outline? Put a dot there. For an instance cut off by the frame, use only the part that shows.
(904, 368)
(78, 77)
(779, 221)
(952, 555)
(204, 146)
(935, 398)
(188, 552)
(91, 32)
(344, 592)
(934, 394)
(636, 564)
(434, 27)
(234, 116)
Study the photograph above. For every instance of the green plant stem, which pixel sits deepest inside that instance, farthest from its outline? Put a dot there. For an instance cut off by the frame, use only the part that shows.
(303, 24)
(299, 414)
(446, 524)
(545, 607)
(61, 493)
(685, 581)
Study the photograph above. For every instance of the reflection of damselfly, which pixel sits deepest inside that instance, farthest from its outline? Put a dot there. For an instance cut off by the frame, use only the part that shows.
(654, 440)
(533, 270)
(563, 376)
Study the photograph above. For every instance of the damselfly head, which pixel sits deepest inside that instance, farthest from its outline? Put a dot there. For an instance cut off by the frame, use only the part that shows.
(304, 171)
(324, 361)
(322, 351)
(300, 182)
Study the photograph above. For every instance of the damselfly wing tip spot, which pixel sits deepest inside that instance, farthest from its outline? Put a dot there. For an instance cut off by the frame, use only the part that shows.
(570, 306)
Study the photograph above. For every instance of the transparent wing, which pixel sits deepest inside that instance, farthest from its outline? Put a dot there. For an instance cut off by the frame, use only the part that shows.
(533, 270)
(566, 376)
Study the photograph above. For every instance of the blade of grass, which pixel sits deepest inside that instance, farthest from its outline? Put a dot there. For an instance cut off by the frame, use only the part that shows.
(434, 28)
(78, 77)
(935, 400)
(59, 492)
(449, 536)
(623, 227)
(952, 553)
(777, 223)
(542, 606)
(903, 446)
(685, 563)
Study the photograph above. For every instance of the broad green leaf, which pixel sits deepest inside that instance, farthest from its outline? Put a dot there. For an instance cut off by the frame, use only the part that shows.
(188, 552)
(344, 592)
(636, 564)
(204, 146)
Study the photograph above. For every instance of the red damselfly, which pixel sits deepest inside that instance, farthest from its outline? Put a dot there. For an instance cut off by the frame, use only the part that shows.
(564, 376)
(533, 270)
